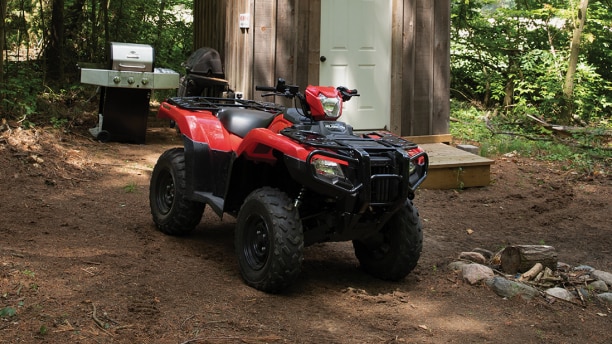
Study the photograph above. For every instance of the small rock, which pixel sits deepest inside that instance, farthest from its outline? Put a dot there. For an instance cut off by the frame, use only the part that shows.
(469, 148)
(607, 297)
(509, 289)
(473, 257)
(458, 265)
(602, 276)
(583, 268)
(560, 293)
(563, 267)
(485, 253)
(599, 286)
(584, 293)
(474, 273)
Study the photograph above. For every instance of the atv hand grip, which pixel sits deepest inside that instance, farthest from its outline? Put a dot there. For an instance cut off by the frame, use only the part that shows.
(265, 88)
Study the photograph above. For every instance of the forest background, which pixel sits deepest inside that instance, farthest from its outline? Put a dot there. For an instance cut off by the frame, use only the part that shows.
(516, 66)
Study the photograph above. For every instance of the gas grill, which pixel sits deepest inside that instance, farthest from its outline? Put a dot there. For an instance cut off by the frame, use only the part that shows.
(125, 91)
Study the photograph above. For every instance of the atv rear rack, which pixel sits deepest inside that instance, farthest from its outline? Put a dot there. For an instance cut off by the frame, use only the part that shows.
(215, 104)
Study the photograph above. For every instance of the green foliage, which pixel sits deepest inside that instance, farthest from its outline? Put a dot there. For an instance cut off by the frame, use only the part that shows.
(586, 152)
(130, 188)
(513, 56)
(28, 273)
(19, 93)
(7, 312)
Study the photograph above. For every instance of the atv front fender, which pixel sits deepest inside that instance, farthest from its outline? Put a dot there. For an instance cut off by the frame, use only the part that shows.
(198, 125)
(259, 145)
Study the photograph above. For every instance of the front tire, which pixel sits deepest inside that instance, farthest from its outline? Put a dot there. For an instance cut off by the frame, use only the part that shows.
(172, 212)
(269, 240)
(394, 252)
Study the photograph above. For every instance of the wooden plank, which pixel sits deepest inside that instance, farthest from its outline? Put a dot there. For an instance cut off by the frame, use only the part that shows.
(301, 43)
(420, 123)
(238, 60)
(440, 121)
(285, 49)
(442, 138)
(264, 44)
(397, 32)
(452, 168)
(408, 66)
(314, 41)
(209, 19)
(442, 155)
(457, 177)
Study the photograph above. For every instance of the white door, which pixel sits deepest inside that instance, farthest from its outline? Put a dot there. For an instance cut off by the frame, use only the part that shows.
(356, 53)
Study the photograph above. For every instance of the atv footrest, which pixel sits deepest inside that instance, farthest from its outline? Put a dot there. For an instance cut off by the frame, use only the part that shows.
(216, 203)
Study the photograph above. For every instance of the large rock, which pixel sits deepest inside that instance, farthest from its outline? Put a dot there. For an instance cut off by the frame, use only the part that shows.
(457, 266)
(602, 276)
(509, 289)
(474, 273)
(607, 297)
(560, 293)
(599, 286)
(474, 257)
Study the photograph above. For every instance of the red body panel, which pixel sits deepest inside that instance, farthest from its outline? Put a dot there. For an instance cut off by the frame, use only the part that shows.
(203, 126)
(258, 144)
(199, 126)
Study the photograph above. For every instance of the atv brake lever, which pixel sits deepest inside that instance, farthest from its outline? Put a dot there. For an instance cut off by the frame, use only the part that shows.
(347, 94)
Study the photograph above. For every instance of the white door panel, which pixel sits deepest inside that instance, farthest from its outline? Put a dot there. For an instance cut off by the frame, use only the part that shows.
(356, 44)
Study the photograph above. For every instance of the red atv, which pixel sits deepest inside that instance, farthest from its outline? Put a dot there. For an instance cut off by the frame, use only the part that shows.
(292, 177)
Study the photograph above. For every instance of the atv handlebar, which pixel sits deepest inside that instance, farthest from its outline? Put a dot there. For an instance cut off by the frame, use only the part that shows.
(281, 89)
(265, 89)
(293, 91)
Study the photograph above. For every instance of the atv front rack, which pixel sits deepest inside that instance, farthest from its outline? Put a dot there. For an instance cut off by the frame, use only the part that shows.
(214, 104)
(372, 140)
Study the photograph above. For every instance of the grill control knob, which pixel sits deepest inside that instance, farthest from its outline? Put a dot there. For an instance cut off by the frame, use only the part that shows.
(145, 81)
(117, 79)
(131, 80)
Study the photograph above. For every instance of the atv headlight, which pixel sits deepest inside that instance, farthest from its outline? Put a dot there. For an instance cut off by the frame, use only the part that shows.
(331, 106)
(327, 168)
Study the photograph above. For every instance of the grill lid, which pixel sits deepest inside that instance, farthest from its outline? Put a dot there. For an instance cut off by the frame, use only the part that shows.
(131, 57)
(205, 61)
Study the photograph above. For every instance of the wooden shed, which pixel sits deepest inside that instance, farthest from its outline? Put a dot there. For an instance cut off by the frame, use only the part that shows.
(284, 39)
(395, 52)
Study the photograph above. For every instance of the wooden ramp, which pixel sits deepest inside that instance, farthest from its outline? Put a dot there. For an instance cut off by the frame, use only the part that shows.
(450, 167)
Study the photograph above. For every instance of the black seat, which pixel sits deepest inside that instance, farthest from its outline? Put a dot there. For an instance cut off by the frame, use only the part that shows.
(240, 121)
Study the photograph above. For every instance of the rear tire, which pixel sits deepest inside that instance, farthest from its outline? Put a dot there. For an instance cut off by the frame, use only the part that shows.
(172, 212)
(269, 240)
(394, 252)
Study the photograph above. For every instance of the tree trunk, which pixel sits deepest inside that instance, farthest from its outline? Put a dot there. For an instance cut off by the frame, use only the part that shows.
(55, 53)
(521, 258)
(92, 45)
(104, 4)
(2, 35)
(568, 85)
(160, 24)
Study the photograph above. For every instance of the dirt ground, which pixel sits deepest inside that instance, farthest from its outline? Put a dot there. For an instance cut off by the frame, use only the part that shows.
(82, 262)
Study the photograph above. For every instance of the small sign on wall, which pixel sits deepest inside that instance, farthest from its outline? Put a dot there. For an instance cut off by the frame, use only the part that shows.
(245, 20)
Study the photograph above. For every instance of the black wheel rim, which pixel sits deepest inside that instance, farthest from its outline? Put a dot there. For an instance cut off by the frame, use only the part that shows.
(165, 192)
(256, 242)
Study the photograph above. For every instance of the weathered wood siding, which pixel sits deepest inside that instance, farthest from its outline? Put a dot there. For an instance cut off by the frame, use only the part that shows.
(209, 23)
(284, 41)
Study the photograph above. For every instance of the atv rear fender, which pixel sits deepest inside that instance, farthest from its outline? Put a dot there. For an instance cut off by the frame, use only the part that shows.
(198, 126)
